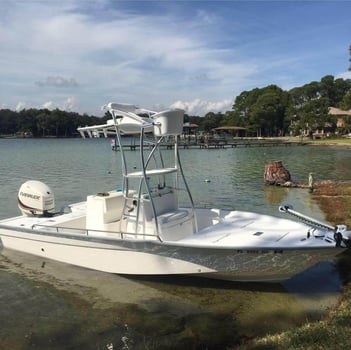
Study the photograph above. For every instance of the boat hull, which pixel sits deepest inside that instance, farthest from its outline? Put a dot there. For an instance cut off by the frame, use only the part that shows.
(137, 257)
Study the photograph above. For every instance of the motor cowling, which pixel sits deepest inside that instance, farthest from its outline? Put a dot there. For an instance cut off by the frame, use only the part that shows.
(36, 199)
(342, 236)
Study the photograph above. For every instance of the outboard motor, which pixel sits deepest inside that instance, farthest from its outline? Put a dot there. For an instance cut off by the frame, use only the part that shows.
(342, 236)
(36, 199)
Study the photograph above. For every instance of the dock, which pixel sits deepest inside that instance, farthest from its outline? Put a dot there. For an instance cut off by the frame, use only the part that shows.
(223, 144)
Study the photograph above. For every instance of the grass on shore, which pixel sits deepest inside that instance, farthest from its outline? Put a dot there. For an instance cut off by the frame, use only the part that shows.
(334, 330)
(327, 141)
(331, 142)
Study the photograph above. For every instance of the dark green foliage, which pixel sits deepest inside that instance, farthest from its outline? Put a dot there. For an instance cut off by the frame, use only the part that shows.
(43, 122)
(271, 111)
(268, 111)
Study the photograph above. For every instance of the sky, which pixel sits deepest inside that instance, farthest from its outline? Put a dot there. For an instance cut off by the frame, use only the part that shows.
(78, 55)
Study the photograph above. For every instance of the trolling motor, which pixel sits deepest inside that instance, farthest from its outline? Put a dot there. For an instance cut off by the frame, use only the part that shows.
(342, 237)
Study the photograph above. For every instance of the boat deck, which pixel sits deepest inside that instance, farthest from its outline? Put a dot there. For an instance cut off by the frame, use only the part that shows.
(240, 230)
(246, 229)
(73, 219)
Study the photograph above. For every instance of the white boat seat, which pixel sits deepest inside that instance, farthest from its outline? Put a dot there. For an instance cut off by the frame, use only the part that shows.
(170, 217)
(163, 203)
(175, 225)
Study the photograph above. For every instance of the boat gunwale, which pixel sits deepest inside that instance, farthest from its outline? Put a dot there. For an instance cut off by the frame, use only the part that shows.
(155, 242)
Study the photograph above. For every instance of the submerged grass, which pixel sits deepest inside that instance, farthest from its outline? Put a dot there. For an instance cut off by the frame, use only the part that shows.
(335, 201)
(334, 330)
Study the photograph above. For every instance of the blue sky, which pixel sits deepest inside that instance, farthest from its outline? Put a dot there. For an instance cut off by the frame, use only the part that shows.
(198, 55)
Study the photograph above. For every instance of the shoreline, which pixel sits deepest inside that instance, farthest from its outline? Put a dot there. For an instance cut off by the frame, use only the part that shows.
(336, 195)
(234, 143)
(335, 325)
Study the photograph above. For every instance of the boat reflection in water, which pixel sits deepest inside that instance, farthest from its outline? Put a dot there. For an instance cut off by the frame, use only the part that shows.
(47, 303)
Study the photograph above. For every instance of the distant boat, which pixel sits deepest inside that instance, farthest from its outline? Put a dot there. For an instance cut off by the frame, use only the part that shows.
(142, 229)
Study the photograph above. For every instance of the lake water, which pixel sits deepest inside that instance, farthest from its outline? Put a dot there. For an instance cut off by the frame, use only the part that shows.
(45, 304)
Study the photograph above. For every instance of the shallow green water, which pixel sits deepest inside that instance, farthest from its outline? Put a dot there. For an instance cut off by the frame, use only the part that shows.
(49, 305)
(74, 168)
(45, 304)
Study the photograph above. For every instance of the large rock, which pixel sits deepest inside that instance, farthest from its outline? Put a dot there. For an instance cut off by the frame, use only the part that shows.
(276, 174)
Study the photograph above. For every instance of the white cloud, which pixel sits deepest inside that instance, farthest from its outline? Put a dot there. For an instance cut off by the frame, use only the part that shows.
(49, 105)
(200, 108)
(144, 59)
(344, 75)
(20, 106)
(189, 52)
(70, 104)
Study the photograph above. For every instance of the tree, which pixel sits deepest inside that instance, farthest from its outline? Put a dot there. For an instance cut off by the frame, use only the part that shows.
(230, 118)
(334, 90)
(315, 113)
(43, 122)
(262, 110)
(269, 109)
(8, 122)
(308, 105)
(345, 104)
(210, 121)
(342, 87)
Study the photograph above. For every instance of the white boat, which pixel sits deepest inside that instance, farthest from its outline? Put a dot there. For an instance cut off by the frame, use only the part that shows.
(143, 230)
